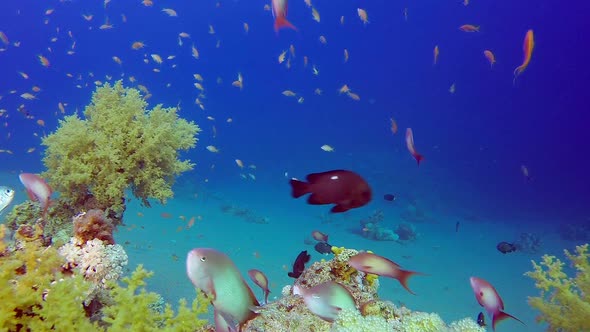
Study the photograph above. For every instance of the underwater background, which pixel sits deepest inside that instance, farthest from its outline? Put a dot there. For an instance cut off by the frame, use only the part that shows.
(505, 158)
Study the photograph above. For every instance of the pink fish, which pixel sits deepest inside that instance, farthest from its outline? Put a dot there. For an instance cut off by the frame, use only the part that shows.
(411, 148)
(37, 189)
(216, 274)
(319, 236)
(326, 300)
(261, 280)
(279, 11)
(375, 264)
(488, 297)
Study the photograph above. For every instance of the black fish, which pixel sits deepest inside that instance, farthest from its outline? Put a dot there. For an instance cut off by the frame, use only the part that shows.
(299, 264)
(323, 248)
(457, 227)
(388, 197)
(481, 321)
(505, 247)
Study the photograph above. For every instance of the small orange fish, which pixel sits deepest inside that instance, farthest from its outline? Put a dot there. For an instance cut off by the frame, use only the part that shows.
(490, 56)
(44, 61)
(393, 125)
(527, 49)
(363, 15)
(469, 28)
(165, 215)
(191, 222)
(435, 53)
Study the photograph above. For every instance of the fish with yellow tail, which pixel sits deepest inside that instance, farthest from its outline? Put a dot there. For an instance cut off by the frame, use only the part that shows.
(215, 273)
(374, 264)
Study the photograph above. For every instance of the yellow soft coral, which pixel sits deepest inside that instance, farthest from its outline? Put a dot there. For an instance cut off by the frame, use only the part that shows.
(36, 294)
(119, 145)
(564, 302)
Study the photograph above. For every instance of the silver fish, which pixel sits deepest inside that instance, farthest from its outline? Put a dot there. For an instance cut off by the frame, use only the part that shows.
(6, 197)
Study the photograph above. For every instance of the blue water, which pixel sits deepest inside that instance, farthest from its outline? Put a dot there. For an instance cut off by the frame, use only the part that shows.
(474, 140)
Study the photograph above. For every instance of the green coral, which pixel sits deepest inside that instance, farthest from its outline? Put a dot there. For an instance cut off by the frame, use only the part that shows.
(119, 144)
(132, 308)
(564, 302)
(39, 295)
(36, 294)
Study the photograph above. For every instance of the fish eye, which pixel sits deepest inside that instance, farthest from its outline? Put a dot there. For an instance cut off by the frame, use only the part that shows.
(203, 259)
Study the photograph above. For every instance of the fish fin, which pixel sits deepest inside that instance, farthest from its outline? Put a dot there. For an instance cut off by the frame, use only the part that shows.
(299, 188)
(281, 22)
(31, 195)
(315, 200)
(501, 316)
(418, 158)
(225, 322)
(340, 208)
(403, 277)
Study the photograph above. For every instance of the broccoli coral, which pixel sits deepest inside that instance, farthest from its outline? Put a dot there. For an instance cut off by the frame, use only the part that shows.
(119, 144)
(564, 302)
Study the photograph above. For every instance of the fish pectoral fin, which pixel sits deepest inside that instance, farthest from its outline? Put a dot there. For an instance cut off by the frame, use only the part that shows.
(314, 199)
(340, 208)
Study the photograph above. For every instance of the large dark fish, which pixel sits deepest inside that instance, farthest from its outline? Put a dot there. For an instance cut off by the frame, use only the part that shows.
(505, 247)
(346, 189)
(299, 264)
(323, 248)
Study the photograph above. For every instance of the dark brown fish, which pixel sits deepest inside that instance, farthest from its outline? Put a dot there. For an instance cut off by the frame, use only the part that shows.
(505, 247)
(323, 248)
(481, 321)
(346, 189)
(299, 264)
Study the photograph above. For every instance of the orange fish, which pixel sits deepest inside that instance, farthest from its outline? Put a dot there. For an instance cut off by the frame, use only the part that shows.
(260, 279)
(527, 49)
(411, 148)
(393, 125)
(469, 28)
(375, 264)
(435, 52)
(279, 11)
(490, 56)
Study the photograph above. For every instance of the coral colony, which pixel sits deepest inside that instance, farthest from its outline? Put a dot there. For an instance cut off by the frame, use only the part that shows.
(61, 269)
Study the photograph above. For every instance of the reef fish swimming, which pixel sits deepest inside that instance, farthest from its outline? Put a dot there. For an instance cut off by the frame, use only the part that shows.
(6, 197)
(215, 273)
(346, 189)
(299, 264)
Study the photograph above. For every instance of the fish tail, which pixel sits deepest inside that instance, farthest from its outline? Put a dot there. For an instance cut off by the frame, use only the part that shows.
(403, 277)
(299, 188)
(281, 22)
(418, 158)
(501, 316)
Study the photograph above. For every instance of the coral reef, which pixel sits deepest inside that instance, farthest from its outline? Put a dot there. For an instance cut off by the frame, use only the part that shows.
(290, 313)
(118, 145)
(564, 301)
(528, 242)
(371, 228)
(96, 261)
(406, 232)
(38, 294)
(93, 224)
